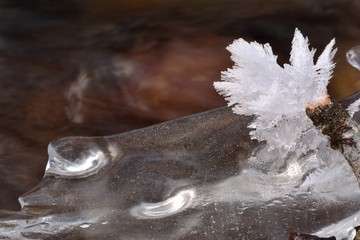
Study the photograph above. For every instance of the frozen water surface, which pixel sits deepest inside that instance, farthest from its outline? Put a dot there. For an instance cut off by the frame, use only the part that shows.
(197, 177)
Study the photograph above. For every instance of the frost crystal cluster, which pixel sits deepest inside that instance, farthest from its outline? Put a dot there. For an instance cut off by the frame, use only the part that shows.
(278, 96)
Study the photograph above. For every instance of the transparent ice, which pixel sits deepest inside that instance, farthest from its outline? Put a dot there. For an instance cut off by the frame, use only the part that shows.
(206, 176)
(197, 177)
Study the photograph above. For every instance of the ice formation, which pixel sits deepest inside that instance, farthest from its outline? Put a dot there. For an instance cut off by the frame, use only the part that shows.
(276, 95)
(201, 176)
(190, 178)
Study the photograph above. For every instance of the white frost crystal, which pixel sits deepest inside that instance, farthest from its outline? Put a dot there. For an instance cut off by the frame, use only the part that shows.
(277, 96)
(354, 107)
(296, 156)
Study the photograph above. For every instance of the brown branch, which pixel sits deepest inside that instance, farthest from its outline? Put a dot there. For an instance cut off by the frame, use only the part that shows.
(343, 131)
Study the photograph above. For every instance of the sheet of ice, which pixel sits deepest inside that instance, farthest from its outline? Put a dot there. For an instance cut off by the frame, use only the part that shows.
(198, 177)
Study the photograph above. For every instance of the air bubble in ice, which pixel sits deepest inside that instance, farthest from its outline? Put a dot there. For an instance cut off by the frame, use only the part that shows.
(165, 208)
(75, 159)
(353, 56)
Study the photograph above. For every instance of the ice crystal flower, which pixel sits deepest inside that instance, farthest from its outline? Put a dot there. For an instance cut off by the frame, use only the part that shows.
(277, 96)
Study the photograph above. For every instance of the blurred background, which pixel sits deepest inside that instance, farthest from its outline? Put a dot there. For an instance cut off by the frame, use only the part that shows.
(88, 67)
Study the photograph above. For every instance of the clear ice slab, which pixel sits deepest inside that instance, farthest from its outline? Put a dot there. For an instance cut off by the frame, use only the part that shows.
(196, 177)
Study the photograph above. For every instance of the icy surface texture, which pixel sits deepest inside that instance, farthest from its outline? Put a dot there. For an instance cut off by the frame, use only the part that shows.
(277, 95)
(197, 177)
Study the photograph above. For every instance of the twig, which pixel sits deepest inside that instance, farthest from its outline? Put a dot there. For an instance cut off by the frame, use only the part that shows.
(343, 131)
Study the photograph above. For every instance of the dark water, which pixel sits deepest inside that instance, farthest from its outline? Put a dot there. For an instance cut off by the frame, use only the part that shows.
(72, 68)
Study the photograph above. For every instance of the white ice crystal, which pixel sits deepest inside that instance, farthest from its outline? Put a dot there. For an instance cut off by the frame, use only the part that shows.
(354, 107)
(296, 157)
(277, 96)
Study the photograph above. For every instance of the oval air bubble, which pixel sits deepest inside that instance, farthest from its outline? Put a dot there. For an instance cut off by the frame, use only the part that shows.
(75, 158)
(165, 208)
(353, 57)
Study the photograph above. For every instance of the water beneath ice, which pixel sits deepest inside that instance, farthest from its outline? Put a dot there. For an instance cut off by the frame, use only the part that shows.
(198, 177)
